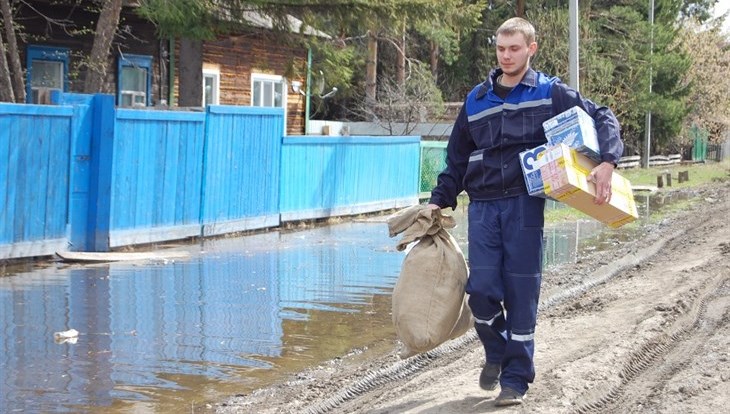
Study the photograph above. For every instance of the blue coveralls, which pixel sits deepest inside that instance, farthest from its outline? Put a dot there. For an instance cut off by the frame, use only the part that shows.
(506, 224)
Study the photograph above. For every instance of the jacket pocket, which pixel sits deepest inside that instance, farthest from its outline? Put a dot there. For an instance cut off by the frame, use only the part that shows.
(475, 175)
(533, 211)
(483, 172)
(532, 124)
(483, 133)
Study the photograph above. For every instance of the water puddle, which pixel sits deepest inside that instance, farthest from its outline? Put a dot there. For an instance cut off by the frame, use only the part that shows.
(238, 314)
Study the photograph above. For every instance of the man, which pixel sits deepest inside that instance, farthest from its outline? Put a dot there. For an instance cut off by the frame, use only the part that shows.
(501, 118)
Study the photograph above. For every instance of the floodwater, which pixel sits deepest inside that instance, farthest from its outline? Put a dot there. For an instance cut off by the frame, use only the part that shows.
(238, 314)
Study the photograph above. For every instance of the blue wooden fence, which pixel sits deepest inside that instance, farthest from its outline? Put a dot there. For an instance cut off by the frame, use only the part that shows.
(327, 176)
(157, 172)
(242, 158)
(35, 151)
(84, 176)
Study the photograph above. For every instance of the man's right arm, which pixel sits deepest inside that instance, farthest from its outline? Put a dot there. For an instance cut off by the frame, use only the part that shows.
(450, 181)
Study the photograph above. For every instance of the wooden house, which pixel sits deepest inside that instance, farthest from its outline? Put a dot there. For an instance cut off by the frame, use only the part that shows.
(245, 68)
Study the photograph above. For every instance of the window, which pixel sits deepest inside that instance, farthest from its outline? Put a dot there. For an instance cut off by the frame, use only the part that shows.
(134, 80)
(211, 86)
(268, 90)
(47, 71)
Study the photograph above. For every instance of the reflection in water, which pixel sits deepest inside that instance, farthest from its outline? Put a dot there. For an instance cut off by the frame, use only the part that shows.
(155, 331)
(239, 314)
(563, 242)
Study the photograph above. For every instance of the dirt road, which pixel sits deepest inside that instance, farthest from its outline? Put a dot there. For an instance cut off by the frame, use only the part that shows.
(643, 327)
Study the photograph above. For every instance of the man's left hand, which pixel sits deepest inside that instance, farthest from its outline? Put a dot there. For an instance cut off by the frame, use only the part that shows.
(601, 176)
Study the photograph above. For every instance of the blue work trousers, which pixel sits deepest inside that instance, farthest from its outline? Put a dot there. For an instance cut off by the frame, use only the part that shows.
(505, 261)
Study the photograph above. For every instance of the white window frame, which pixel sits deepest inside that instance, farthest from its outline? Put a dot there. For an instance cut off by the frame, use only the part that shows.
(216, 75)
(263, 77)
(271, 79)
(133, 96)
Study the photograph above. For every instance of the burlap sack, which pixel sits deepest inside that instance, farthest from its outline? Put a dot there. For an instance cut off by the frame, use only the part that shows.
(429, 302)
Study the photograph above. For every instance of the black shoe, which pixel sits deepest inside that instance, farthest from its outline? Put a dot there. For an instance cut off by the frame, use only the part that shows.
(508, 396)
(489, 378)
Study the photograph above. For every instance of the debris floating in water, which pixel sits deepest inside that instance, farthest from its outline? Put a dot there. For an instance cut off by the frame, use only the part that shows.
(70, 336)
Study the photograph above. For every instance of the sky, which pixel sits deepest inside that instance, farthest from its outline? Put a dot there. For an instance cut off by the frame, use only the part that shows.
(721, 7)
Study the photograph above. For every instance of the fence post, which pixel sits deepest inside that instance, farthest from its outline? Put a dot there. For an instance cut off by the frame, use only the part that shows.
(102, 149)
(699, 150)
(79, 168)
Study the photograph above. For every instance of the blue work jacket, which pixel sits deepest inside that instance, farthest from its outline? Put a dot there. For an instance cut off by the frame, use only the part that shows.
(482, 156)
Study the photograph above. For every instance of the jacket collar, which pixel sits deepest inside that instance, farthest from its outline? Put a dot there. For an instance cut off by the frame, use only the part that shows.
(529, 80)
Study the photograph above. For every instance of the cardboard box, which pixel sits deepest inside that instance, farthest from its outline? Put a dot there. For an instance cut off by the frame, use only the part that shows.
(530, 161)
(565, 178)
(576, 129)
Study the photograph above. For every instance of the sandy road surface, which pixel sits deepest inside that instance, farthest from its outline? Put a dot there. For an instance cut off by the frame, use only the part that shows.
(642, 328)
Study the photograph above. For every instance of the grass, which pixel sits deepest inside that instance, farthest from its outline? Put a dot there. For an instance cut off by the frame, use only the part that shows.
(699, 174)
(564, 213)
(673, 207)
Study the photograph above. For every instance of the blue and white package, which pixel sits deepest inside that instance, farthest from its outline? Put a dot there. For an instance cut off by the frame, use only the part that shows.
(576, 129)
(530, 161)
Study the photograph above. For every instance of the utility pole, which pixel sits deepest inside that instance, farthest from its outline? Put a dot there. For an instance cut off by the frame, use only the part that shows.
(647, 127)
(308, 96)
(574, 68)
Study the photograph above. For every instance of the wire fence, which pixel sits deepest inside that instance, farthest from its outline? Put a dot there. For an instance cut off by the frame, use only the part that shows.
(433, 161)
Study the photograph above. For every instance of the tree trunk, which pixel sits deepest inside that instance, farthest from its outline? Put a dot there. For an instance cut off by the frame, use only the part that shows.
(98, 63)
(16, 70)
(6, 87)
(521, 8)
(190, 68)
(400, 76)
(371, 70)
(434, 61)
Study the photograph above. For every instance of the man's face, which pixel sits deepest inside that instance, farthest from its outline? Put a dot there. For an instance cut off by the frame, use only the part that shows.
(513, 53)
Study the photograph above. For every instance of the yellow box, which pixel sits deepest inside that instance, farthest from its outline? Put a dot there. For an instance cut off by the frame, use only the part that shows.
(565, 178)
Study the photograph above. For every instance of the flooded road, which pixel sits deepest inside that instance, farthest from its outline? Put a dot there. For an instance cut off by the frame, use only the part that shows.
(237, 315)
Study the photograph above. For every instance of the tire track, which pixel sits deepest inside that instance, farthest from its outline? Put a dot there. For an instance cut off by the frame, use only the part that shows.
(407, 368)
(642, 359)
(632, 260)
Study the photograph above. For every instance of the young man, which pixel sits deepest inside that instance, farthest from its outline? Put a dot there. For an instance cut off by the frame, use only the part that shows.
(501, 118)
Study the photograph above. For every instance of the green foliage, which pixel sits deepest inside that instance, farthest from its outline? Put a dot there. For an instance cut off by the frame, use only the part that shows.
(338, 65)
(706, 81)
(620, 51)
(454, 20)
(552, 53)
(194, 19)
(476, 57)
(697, 10)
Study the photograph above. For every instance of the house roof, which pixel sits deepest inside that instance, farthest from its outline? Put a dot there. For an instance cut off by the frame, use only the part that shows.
(261, 20)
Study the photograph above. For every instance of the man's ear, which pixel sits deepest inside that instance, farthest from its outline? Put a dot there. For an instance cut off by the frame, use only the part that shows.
(532, 49)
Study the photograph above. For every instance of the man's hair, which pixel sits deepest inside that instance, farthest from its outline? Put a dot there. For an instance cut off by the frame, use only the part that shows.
(518, 25)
